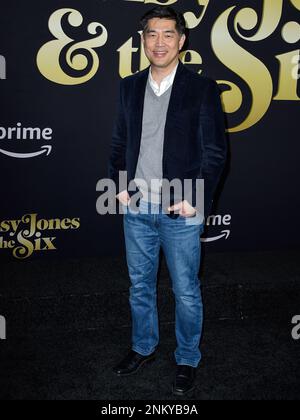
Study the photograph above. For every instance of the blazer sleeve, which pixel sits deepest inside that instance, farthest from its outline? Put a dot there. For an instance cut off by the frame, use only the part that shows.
(117, 156)
(213, 143)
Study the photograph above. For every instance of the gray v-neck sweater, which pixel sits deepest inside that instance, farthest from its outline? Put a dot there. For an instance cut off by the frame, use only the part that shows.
(149, 166)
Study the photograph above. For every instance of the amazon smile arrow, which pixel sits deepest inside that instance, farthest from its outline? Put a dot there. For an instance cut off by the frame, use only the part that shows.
(225, 234)
(45, 150)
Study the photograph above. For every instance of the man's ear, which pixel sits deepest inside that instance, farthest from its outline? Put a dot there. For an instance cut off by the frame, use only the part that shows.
(182, 41)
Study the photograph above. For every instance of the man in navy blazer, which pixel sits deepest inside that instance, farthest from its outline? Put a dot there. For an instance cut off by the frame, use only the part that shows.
(169, 125)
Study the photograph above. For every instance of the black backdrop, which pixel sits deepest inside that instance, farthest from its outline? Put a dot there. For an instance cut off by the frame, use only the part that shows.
(258, 202)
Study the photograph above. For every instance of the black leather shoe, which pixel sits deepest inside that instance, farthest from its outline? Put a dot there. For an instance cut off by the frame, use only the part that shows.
(184, 380)
(131, 363)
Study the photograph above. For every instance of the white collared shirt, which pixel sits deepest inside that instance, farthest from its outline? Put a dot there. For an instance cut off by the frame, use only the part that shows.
(165, 83)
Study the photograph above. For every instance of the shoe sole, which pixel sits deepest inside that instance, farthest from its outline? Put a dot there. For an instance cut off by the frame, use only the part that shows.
(182, 394)
(138, 368)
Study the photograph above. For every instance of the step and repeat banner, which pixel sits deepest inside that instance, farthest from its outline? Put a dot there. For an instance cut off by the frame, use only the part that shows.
(60, 67)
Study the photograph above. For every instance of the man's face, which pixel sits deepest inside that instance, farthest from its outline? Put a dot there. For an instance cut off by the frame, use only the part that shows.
(162, 42)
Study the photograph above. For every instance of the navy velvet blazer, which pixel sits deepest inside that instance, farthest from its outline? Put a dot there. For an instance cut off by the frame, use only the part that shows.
(195, 143)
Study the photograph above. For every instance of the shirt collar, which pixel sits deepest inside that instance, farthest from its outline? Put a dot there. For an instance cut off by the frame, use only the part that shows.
(165, 83)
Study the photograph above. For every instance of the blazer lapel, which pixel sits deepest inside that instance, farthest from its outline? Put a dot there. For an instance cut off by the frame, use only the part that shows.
(177, 95)
(138, 107)
(173, 126)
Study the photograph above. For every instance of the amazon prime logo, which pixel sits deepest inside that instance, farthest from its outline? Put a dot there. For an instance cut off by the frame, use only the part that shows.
(13, 140)
(221, 222)
(2, 68)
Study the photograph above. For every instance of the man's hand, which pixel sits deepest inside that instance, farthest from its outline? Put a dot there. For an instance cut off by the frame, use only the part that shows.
(124, 197)
(185, 209)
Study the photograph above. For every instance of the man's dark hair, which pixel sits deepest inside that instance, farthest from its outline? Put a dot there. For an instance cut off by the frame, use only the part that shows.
(163, 12)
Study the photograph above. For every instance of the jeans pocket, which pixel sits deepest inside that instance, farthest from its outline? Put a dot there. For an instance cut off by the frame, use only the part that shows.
(127, 209)
(196, 220)
(188, 217)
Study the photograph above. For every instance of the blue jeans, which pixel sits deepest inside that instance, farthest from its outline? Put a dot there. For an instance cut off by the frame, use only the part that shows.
(146, 230)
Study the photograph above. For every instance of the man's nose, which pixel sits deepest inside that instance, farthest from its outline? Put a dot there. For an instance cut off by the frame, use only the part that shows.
(160, 40)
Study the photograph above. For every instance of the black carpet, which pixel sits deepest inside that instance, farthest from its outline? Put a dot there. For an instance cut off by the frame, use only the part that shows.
(68, 323)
